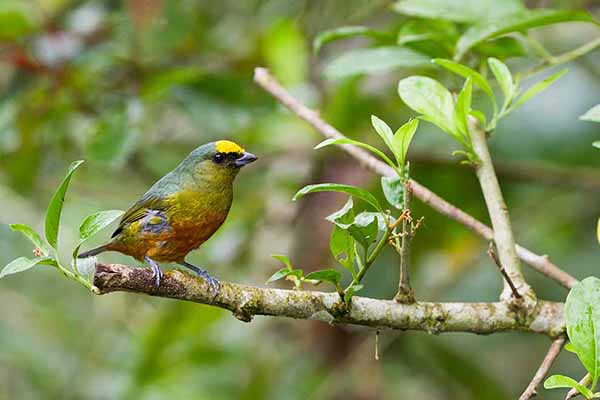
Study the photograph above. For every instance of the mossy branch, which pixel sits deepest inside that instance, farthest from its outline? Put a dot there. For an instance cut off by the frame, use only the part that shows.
(246, 301)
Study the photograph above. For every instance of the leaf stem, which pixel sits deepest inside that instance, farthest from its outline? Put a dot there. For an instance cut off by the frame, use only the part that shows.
(76, 277)
(371, 258)
(563, 58)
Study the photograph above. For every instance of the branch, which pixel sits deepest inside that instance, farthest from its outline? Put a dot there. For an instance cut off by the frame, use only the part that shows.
(496, 261)
(503, 234)
(540, 263)
(247, 301)
(542, 371)
(405, 293)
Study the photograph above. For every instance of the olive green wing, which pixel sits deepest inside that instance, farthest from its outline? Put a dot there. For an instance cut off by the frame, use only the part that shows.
(138, 211)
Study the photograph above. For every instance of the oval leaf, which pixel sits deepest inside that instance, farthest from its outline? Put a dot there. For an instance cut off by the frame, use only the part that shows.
(582, 311)
(430, 98)
(94, 223)
(33, 236)
(342, 247)
(377, 59)
(21, 264)
(56, 205)
(393, 190)
(517, 22)
(402, 139)
(336, 187)
(504, 78)
(326, 275)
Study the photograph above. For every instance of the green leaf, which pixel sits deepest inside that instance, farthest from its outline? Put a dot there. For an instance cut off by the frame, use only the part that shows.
(458, 10)
(502, 48)
(22, 264)
(345, 215)
(282, 273)
(593, 114)
(350, 293)
(504, 78)
(582, 311)
(283, 259)
(33, 236)
(430, 98)
(364, 228)
(467, 72)
(56, 205)
(325, 275)
(463, 109)
(570, 348)
(93, 223)
(344, 32)
(371, 60)
(336, 187)
(393, 190)
(384, 131)
(402, 139)
(480, 117)
(561, 381)
(596, 144)
(537, 88)
(520, 21)
(342, 246)
(374, 150)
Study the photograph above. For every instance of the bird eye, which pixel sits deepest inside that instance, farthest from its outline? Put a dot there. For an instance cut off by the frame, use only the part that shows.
(218, 158)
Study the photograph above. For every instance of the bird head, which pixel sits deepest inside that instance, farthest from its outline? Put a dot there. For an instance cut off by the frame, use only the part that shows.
(219, 160)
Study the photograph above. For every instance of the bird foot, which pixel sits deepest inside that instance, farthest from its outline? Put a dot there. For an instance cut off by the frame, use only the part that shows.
(157, 273)
(212, 282)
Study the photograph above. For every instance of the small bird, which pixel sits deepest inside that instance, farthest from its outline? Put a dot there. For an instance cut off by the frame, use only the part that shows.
(181, 210)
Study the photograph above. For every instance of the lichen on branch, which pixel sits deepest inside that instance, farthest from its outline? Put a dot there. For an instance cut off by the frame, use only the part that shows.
(247, 301)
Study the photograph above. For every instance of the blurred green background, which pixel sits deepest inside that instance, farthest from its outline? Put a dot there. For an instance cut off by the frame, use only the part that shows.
(133, 86)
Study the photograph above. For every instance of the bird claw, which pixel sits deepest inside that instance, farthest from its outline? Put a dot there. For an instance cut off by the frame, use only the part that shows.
(212, 282)
(157, 274)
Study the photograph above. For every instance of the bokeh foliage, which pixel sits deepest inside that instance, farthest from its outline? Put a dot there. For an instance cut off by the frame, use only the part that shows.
(132, 86)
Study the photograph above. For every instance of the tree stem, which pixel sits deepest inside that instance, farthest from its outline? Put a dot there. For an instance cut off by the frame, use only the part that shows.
(405, 293)
(499, 216)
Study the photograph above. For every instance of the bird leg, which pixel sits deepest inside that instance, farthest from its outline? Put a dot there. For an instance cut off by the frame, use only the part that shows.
(157, 273)
(212, 282)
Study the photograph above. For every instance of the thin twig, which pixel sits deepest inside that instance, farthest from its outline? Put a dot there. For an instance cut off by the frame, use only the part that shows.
(563, 58)
(542, 371)
(247, 301)
(510, 283)
(538, 262)
(405, 293)
(585, 381)
(498, 212)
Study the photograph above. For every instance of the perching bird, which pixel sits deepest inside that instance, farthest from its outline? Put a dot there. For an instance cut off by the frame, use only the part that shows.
(182, 210)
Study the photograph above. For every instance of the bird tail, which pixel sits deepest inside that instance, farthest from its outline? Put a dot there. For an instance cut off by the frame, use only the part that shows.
(93, 252)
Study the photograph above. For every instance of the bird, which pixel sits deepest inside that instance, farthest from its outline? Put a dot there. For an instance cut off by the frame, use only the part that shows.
(181, 211)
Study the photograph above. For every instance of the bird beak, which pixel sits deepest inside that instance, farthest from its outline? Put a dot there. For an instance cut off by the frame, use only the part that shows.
(246, 158)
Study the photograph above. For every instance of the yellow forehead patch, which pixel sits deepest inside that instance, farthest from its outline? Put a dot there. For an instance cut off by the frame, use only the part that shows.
(226, 146)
